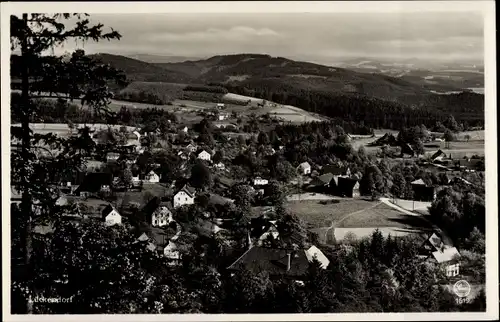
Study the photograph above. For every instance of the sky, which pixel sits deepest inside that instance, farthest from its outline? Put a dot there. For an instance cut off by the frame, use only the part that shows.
(320, 37)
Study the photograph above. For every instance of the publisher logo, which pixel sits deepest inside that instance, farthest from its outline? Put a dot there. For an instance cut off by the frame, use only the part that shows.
(462, 288)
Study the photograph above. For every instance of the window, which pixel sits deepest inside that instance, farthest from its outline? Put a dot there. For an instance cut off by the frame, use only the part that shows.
(185, 199)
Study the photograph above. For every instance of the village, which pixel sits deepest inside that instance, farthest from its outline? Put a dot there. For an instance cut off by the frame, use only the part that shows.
(124, 186)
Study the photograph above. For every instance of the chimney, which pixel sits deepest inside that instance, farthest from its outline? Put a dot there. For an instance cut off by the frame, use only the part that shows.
(288, 263)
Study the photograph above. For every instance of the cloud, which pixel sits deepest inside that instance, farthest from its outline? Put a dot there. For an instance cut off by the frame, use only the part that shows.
(234, 34)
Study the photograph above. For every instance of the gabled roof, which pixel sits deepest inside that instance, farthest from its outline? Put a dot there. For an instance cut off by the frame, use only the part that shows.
(435, 241)
(154, 204)
(218, 199)
(447, 255)
(189, 190)
(334, 169)
(107, 210)
(273, 260)
(304, 165)
(437, 154)
(314, 253)
(419, 182)
(323, 179)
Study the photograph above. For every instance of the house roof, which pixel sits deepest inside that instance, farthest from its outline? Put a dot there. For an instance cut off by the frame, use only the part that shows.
(347, 183)
(419, 182)
(188, 189)
(447, 255)
(323, 179)
(207, 228)
(314, 253)
(154, 204)
(437, 154)
(93, 181)
(107, 210)
(304, 165)
(435, 241)
(272, 260)
(334, 169)
(43, 229)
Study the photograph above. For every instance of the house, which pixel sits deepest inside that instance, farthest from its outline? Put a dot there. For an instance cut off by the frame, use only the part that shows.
(258, 181)
(336, 171)
(191, 148)
(151, 177)
(422, 192)
(136, 181)
(261, 228)
(348, 187)
(204, 155)
(224, 182)
(220, 166)
(407, 149)
(112, 156)
(111, 216)
(183, 155)
(304, 168)
(158, 212)
(278, 262)
(469, 164)
(185, 129)
(95, 182)
(314, 253)
(322, 180)
(222, 116)
(448, 259)
(185, 196)
(171, 251)
(220, 105)
(439, 155)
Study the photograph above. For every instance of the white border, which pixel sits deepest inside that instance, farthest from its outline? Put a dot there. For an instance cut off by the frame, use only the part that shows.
(487, 8)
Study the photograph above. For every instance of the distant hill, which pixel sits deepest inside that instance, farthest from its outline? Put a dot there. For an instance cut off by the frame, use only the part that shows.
(137, 70)
(317, 88)
(161, 59)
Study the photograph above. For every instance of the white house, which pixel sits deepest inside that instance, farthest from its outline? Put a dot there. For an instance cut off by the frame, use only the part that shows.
(448, 259)
(204, 155)
(185, 196)
(182, 155)
(220, 166)
(152, 177)
(111, 216)
(162, 216)
(258, 181)
(112, 156)
(220, 105)
(171, 251)
(223, 116)
(304, 168)
(191, 147)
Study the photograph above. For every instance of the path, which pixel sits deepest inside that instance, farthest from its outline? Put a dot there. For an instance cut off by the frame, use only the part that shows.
(434, 226)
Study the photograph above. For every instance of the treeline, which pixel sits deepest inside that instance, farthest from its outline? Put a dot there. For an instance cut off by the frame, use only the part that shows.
(61, 111)
(373, 112)
(375, 275)
(209, 89)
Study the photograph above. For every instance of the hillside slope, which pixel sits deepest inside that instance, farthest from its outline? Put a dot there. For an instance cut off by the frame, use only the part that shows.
(137, 70)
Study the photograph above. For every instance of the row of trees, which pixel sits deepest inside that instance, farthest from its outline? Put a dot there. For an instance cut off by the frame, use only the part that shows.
(370, 111)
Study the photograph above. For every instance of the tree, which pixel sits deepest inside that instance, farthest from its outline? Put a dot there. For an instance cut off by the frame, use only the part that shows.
(126, 177)
(201, 177)
(452, 124)
(467, 137)
(218, 156)
(75, 76)
(476, 241)
(448, 136)
(243, 198)
(275, 193)
(418, 147)
(263, 138)
(399, 185)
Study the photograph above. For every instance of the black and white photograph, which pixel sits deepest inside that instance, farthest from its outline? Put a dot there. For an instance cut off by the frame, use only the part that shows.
(220, 159)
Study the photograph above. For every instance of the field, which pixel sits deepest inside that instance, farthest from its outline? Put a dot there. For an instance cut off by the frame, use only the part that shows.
(458, 149)
(361, 217)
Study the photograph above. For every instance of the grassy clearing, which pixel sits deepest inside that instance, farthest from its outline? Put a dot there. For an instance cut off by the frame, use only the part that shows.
(383, 216)
(317, 214)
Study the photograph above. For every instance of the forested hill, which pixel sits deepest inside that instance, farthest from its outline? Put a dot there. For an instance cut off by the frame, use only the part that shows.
(378, 100)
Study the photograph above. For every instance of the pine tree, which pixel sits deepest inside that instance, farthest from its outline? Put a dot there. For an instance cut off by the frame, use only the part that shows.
(67, 77)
